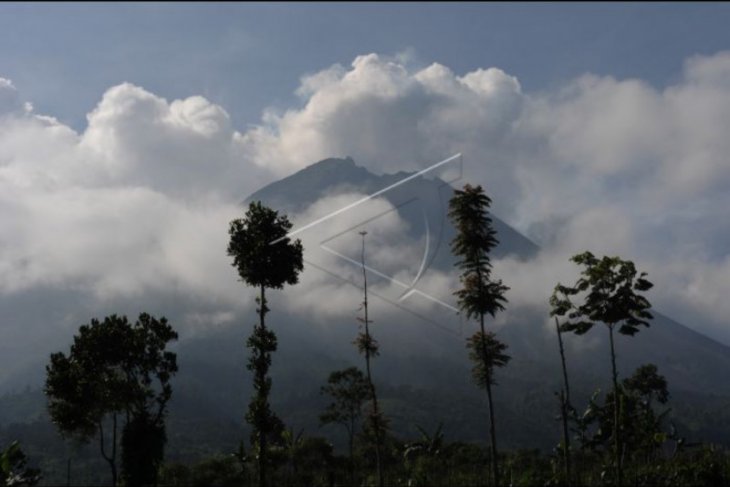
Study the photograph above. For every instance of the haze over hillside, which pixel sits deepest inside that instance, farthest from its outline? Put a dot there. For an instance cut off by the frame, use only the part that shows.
(422, 367)
(422, 370)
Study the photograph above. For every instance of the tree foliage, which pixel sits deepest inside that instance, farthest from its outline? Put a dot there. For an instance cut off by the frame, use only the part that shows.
(475, 239)
(610, 288)
(114, 367)
(267, 259)
(486, 353)
(14, 469)
(642, 427)
(262, 253)
(348, 389)
(480, 294)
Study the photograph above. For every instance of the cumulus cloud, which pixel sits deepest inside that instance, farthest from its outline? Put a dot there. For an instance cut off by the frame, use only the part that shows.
(137, 204)
(390, 119)
(9, 98)
(615, 166)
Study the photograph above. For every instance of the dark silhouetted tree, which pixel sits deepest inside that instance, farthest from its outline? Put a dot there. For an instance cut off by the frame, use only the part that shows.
(266, 259)
(645, 387)
(609, 289)
(376, 424)
(566, 408)
(421, 457)
(648, 384)
(116, 367)
(14, 469)
(144, 436)
(349, 389)
(480, 295)
(641, 427)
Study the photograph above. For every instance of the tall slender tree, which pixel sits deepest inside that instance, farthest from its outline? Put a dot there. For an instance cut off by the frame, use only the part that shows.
(266, 259)
(566, 407)
(610, 291)
(480, 294)
(368, 346)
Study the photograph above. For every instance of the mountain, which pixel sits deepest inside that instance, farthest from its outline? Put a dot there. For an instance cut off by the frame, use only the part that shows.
(691, 361)
(419, 196)
(422, 373)
(694, 365)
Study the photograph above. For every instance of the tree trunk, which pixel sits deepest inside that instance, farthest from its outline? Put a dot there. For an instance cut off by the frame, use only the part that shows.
(566, 437)
(111, 460)
(262, 434)
(352, 457)
(564, 405)
(492, 433)
(376, 417)
(376, 414)
(616, 429)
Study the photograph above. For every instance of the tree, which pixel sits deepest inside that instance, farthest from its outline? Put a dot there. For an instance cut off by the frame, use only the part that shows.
(265, 258)
(566, 407)
(115, 368)
(14, 470)
(648, 384)
(349, 389)
(376, 424)
(143, 445)
(421, 457)
(480, 295)
(641, 426)
(144, 435)
(644, 387)
(609, 287)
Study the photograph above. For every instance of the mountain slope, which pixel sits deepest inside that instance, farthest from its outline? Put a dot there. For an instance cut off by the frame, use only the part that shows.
(418, 196)
(423, 372)
(695, 361)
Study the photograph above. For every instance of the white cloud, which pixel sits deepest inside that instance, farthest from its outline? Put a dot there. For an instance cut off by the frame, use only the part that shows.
(9, 99)
(389, 119)
(390, 251)
(615, 166)
(138, 203)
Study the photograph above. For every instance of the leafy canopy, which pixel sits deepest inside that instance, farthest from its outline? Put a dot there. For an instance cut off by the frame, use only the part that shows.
(259, 261)
(611, 288)
(475, 239)
(262, 344)
(111, 367)
(349, 389)
(647, 383)
(14, 468)
(486, 352)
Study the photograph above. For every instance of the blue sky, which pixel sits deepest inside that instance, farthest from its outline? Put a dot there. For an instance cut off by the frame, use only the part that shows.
(129, 134)
(250, 56)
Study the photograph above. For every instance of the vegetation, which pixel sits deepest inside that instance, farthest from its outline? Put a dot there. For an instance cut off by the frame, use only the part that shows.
(566, 407)
(14, 468)
(480, 294)
(376, 424)
(349, 389)
(116, 368)
(608, 287)
(118, 375)
(265, 258)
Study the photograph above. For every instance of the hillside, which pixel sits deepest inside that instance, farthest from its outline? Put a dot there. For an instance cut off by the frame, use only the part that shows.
(423, 373)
